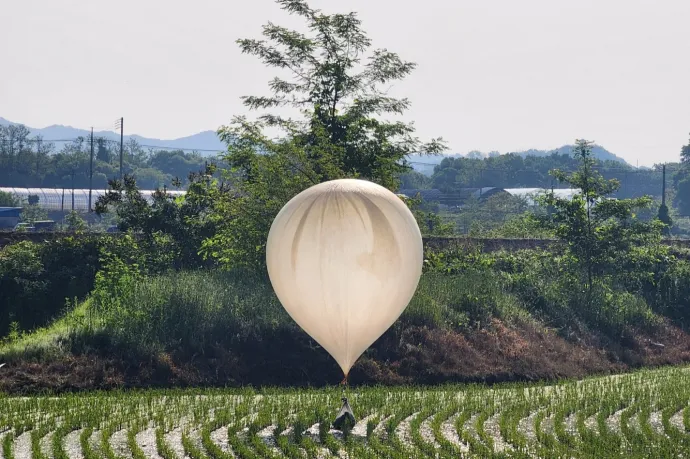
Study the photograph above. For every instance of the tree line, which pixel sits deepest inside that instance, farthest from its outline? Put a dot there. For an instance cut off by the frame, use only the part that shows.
(512, 170)
(28, 161)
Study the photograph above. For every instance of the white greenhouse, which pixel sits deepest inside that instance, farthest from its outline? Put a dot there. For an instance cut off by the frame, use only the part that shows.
(530, 194)
(57, 199)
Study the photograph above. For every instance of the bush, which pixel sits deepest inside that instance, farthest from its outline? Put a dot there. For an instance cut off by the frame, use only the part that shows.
(36, 280)
(549, 286)
(9, 200)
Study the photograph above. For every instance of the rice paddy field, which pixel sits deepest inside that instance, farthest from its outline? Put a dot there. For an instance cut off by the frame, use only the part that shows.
(643, 414)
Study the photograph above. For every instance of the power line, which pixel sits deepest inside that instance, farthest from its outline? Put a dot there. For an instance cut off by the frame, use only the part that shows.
(474, 167)
(182, 149)
(631, 170)
(42, 140)
(84, 139)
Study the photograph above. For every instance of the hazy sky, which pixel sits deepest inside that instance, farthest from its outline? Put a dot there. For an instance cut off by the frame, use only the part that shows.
(500, 75)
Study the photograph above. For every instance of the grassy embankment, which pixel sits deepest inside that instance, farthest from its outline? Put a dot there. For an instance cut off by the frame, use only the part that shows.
(517, 317)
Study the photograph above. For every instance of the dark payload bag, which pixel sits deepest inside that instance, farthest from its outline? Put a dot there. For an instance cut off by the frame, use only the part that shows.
(345, 415)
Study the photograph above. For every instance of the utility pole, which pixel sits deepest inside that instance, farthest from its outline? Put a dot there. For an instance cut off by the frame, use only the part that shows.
(122, 136)
(481, 182)
(38, 154)
(91, 170)
(73, 170)
(663, 185)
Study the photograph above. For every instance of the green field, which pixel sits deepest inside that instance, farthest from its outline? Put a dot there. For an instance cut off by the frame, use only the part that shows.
(644, 414)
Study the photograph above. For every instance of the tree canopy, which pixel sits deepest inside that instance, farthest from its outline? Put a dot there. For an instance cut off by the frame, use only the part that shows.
(601, 233)
(515, 171)
(28, 161)
(336, 83)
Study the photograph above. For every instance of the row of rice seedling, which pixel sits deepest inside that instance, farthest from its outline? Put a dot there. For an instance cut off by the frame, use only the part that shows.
(643, 414)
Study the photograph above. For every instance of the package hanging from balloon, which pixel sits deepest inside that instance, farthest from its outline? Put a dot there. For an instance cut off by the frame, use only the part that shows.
(345, 416)
(344, 258)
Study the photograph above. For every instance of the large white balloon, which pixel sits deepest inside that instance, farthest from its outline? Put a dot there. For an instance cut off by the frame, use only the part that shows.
(345, 258)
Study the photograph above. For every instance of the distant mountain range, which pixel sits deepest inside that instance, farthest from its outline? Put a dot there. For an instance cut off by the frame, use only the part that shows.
(208, 144)
(205, 142)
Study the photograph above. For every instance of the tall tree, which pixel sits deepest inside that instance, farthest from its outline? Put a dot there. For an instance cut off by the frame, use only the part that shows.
(685, 153)
(42, 159)
(598, 232)
(336, 82)
(340, 132)
(102, 151)
(13, 140)
(682, 181)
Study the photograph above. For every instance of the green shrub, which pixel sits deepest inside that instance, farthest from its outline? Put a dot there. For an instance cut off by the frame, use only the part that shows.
(550, 286)
(555, 290)
(37, 279)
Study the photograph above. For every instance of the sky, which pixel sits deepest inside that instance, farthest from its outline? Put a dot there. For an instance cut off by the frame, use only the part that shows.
(492, 75)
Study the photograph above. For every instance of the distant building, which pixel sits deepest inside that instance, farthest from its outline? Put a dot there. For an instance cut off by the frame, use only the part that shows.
(9, 216)
(530, 194)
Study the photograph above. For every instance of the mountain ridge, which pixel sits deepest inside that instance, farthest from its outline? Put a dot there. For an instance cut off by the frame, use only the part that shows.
(207, 143)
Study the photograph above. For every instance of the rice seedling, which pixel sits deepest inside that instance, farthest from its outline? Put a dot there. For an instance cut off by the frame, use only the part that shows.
(632, 415)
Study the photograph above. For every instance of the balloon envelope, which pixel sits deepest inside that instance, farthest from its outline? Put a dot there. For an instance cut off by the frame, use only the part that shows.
(344, 258)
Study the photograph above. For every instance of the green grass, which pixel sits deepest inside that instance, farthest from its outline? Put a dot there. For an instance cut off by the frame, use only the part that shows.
(192, 310)
(49, 340)
(634, 415)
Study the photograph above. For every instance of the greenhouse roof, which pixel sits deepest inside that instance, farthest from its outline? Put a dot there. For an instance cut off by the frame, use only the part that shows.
(61, 199)
(530, 193)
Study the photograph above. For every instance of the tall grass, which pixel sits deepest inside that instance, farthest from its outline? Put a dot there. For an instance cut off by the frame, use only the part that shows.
(191, 310)
(468, 298)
